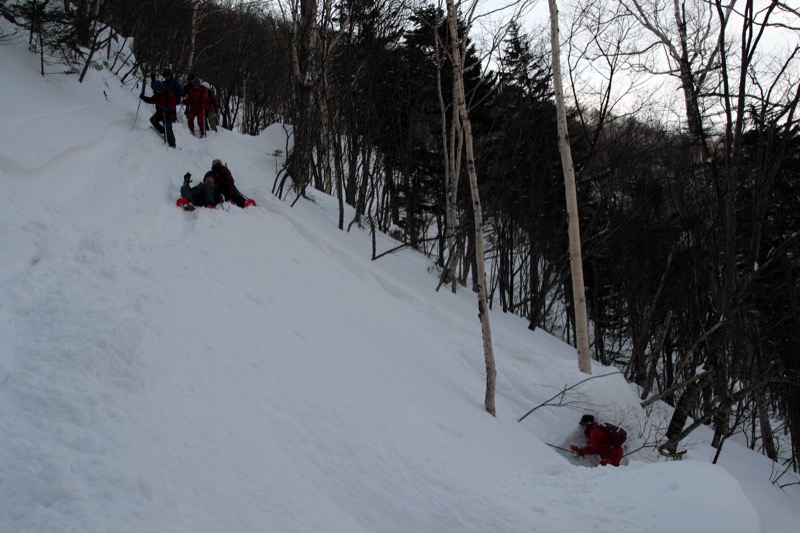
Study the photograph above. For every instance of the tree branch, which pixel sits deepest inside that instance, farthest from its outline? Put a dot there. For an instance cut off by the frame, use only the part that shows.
(563, 391)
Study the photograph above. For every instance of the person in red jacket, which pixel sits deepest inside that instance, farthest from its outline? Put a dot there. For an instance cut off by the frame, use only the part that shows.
(599, 443)
(197, 101)
(165, 115)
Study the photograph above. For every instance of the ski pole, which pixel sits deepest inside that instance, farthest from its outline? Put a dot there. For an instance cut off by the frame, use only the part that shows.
(138, 106)
(560, 448)
(164, 117)
(137, 114)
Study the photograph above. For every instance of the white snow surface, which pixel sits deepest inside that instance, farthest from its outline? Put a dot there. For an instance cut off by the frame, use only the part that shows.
(254, 371)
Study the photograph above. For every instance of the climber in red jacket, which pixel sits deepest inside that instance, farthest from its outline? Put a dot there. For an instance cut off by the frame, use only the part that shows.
(599, 443)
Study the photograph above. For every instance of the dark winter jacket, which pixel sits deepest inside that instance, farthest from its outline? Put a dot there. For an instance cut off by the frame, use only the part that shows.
(202, 195)
(173, 86)
(224, 180)
(165, 103)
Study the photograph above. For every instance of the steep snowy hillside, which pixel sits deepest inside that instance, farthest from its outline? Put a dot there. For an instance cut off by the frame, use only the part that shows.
(252, 370)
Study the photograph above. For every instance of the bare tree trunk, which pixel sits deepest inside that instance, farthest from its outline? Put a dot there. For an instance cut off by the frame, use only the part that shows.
(330, 141)
(303, 50)
(452, 167)
(480, 270)
(656, 355)
(322, 90)
(95, 40)
(325, 127)
(767, 438)
(683, 409)
(192, 39)
(575, 256)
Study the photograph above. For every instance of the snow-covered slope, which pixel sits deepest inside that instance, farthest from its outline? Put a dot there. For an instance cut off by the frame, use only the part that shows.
(252, 370)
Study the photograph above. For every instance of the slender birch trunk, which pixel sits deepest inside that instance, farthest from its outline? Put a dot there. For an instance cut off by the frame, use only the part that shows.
(192, 39)
(325, 134)
(480, 271)
(452, 143)
(575, 256)
(323, 98)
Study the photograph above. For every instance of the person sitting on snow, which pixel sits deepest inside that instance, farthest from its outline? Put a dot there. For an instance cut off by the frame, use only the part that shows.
(599, 443)
(205, 194)
(224, 180)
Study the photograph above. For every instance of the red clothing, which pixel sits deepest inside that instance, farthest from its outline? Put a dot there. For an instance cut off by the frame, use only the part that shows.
(600, 444)
(201, 120)
(165, 103)
(197, 97)
(197, 100)
(225, 185)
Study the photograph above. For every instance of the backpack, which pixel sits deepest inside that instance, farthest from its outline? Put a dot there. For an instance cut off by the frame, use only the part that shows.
(616, 435)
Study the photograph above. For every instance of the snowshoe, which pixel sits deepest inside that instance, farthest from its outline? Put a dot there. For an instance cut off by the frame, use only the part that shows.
(184, 204)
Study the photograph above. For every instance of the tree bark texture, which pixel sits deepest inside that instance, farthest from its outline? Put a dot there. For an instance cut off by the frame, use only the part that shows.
(480, 269)
(575, 256)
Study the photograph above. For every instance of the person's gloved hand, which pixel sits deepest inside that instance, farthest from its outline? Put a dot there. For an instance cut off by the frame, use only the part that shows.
(187, 178)
(575, 449)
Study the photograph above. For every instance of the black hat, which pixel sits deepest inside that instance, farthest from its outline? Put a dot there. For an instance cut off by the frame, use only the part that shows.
(586, 420)
(167, 72)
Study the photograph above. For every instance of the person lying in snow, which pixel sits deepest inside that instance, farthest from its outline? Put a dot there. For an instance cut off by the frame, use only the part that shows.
(205, 194)
(602, 441)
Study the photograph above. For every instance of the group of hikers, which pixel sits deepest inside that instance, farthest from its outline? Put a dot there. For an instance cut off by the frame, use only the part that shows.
(201, 107)
(199, 98)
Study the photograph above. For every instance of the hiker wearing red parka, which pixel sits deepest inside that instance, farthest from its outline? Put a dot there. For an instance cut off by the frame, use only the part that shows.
(599, 443)
(165, 114)
(197, 100)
